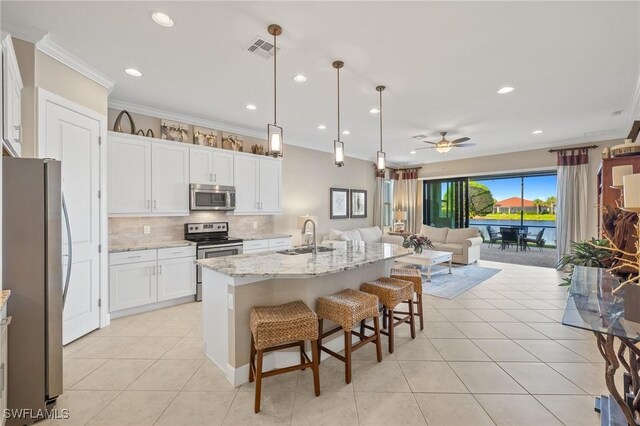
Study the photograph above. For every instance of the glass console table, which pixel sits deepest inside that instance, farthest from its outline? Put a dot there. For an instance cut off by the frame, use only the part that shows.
(591, 306)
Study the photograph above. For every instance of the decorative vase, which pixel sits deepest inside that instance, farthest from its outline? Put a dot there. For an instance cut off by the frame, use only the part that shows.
(632, 303)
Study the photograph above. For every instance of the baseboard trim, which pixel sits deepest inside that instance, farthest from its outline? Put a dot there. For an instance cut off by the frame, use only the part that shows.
(151, 307)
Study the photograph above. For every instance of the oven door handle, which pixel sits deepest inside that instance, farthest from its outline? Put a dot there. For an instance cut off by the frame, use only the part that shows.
(220, 248)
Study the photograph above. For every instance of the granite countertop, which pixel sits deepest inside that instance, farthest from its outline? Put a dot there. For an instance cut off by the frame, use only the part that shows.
(259, 236)
(116, 248)
(347, 255)
(4, 297)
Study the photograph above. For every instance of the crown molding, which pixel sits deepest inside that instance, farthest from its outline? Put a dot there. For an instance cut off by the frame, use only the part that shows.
(48, 47)
(23, 32)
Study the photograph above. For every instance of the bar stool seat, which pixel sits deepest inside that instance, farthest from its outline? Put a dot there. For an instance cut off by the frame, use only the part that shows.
(392, 292)
(413, 275)
(281, 327)
(348, 308)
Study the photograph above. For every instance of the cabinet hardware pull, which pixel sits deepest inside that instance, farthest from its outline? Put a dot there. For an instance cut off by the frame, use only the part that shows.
(147, 203)
(155, 204)
(160, 269)
(211, 177)
(154, 270)
(215, 177)
(133, 257)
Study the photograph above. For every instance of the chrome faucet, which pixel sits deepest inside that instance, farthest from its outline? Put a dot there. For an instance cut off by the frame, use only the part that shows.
(315, 236)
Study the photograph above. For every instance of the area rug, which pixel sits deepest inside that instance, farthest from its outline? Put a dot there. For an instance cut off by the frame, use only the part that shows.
(462, 278)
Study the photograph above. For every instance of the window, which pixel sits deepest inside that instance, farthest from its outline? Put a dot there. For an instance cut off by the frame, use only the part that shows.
(387, 200)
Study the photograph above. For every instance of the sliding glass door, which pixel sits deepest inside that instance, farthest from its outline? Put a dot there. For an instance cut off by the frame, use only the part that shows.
(446, 203)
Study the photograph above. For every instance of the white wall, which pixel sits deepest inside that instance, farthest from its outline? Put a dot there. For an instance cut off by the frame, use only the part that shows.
(533, 160)
(307, 176)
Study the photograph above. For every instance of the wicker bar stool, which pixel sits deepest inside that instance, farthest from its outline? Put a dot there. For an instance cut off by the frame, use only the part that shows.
(413, 275)
(348, 308)
(392, 292)
(281, 327)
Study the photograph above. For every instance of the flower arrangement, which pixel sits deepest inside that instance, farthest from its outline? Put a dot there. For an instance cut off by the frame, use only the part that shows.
(417, 243)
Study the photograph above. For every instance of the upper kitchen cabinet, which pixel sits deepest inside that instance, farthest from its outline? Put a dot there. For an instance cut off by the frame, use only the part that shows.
(258, 182)
(11, 98)
(147, 177)
(210, 166)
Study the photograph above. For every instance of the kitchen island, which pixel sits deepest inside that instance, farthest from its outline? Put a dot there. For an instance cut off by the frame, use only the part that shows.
(232, 285)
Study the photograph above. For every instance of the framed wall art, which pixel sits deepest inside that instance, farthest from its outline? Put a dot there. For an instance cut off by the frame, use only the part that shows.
(339, 203)
(358, 203)
(174, 131)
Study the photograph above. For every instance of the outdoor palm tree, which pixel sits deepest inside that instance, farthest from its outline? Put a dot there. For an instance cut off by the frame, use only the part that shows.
(538, 203)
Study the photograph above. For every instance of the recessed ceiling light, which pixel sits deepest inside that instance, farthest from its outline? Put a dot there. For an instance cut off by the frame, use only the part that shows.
(162, 19)
(251, 107)
(618, 112)
(537, 132)
(374, 110)
(322, 127)
(346, 132)
(412, 152)
(133, 72)
(299, 78)
(506, 89)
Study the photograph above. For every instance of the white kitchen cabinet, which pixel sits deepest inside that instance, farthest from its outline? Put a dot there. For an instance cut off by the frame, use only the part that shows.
(176, 278)
(246, 179)
(258, 183)
(210, 166)
(144, 277)
(271, 244)
(147, 177)
(11, 98)
(270, 185)
(132, 284)
(169, 179)
(129, 176)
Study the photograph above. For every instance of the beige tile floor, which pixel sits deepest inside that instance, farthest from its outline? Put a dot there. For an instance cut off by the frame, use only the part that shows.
(494, 355)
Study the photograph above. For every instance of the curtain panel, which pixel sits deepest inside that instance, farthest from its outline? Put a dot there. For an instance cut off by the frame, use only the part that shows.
(406, 197)
(572, 209)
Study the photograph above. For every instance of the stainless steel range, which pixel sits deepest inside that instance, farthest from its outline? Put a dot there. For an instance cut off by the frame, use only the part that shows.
(212, 239)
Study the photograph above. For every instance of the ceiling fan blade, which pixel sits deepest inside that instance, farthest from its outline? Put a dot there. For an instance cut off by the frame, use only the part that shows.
(464, 145)
(432, 143)
(457, 141)
(419, 136)
(425, 147)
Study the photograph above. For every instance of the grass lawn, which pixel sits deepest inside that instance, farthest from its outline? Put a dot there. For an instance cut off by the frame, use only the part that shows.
(516, 216)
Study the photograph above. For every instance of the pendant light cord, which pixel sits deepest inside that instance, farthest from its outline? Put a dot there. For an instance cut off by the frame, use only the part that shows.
(338, 74)
(380, 120)
(275, 80)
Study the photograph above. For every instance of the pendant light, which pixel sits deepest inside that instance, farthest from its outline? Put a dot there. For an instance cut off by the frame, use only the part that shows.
(274, 132)
(381, 157)
(338, 145)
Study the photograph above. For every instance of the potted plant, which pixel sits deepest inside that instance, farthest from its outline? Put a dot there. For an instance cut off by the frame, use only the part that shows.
(593, 253)
(417, 243)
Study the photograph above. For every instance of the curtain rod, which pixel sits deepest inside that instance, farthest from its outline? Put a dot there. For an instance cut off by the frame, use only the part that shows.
(575, 147)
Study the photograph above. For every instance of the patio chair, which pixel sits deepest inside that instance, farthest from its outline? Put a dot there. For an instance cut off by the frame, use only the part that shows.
(537, 240)
(494, 237)
(509, 236)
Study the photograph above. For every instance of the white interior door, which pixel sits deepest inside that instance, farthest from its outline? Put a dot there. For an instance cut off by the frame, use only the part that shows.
(73, 138)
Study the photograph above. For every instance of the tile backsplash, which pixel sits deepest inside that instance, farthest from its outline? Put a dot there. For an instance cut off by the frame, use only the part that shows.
(126, 230)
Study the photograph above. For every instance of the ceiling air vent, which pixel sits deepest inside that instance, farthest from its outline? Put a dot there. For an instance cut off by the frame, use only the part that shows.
(261, 47)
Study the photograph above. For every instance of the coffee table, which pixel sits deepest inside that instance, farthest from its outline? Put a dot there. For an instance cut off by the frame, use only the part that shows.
(428, 258)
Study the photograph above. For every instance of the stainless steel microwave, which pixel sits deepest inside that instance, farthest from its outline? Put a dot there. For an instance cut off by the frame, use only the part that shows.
(212, 197)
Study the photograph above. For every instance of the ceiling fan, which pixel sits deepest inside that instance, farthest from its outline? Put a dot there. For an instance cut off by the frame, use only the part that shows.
(444, 145)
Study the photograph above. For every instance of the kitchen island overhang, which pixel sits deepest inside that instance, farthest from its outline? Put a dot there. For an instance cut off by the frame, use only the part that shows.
(233, 284)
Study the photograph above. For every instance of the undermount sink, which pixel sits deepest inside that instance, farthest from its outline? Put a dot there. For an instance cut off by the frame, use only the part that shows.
(304, 250)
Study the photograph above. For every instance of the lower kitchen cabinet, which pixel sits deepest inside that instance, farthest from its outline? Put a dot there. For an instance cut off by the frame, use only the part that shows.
(176, 278)
(144, 277)
(132, 284)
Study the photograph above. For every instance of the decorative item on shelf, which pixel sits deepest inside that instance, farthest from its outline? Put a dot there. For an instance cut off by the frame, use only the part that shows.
(150, 134)
(205, 137)
(338, 145)
(381, 156)
(399, 216)
(606, 153)
(257, 149)
(232, 142)
(308, 235)
(418, 243)
(629, 147)
(117, 125)
(358, 203)
(174, 131)
(339, 203)
(140, 132)
(274, 132)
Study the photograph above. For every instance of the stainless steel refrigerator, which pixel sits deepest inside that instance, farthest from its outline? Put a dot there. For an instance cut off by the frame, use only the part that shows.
(32, 270)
